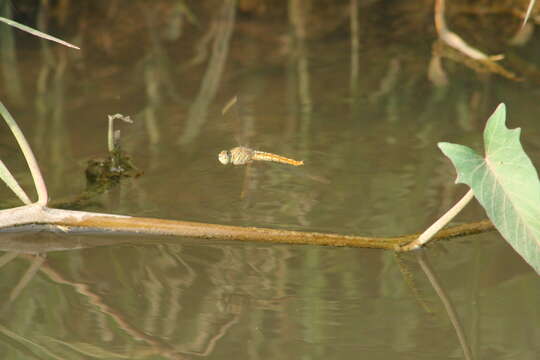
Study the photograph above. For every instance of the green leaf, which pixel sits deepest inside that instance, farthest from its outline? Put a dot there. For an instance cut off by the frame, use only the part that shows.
(505, 182)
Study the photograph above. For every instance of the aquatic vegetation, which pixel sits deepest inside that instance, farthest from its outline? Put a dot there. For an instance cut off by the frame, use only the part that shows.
(505, 183)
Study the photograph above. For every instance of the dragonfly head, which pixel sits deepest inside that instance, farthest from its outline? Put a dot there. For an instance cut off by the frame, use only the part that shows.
(225, 157)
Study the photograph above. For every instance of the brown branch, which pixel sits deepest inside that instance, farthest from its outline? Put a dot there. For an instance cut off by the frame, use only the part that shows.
(67, 220)
(254, 234)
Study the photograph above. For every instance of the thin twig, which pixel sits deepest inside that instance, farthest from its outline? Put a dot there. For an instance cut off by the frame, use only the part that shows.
(527, 14)
(229, 104)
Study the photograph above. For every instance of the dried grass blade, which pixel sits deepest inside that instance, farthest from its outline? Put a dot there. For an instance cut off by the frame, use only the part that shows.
(36, 32)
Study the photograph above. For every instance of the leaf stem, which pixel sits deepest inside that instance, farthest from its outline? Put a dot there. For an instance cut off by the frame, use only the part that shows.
(440, 223)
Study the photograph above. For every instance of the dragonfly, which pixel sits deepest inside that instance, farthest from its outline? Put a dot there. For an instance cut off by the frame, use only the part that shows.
(242, 155)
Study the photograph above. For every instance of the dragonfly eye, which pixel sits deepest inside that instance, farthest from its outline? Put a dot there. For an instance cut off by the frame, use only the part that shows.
(224, 157)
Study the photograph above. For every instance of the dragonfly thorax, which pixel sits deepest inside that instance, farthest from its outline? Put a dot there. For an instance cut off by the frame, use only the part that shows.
(237, 156)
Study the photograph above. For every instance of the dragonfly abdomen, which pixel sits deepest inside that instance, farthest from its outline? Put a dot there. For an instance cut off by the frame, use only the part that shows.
(266, 156)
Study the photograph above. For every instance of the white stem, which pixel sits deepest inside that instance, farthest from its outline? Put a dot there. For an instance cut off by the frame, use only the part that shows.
(36, 32)
(439, 224)
(528, 13)
(39, 183)
(110, 138)
(12, 183)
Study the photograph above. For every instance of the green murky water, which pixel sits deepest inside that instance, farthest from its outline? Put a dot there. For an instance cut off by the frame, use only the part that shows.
(364, 114)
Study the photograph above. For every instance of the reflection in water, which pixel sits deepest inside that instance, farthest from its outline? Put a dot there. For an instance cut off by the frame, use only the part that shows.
(166, 312)
(222, 33)
(355, 50)
(299, 67)
(158, 78)
(36, 263)
(149, 301)
(450, 309)
(178, 300)
(8, 58)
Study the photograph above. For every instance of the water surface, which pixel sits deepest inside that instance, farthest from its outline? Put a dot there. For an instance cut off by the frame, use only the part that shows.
(358, 107)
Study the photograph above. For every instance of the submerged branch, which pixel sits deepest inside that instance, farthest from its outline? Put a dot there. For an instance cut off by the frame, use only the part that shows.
(68, 220)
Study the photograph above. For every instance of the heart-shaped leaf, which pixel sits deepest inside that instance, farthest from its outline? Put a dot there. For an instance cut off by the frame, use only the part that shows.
(505, 182)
